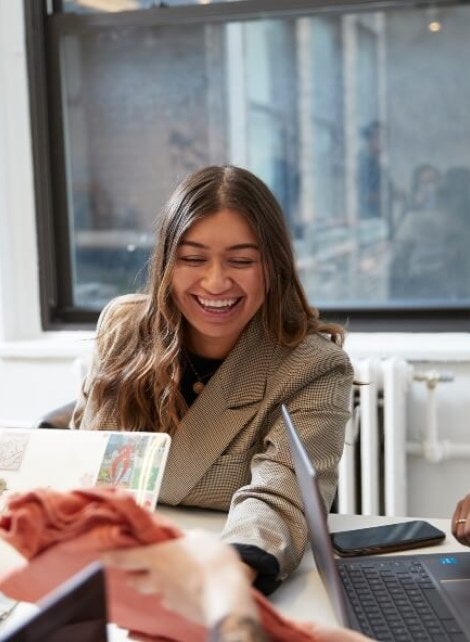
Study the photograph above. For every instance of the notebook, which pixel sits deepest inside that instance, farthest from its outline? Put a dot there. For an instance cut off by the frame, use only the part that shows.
(388, 597)
(74, 612)
(69, 459)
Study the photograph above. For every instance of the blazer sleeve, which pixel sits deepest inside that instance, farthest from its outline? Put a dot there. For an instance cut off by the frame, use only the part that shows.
(85, 410)
(268, 511)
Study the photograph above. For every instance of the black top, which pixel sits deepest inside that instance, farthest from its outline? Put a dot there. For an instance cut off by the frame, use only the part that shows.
(204, 368)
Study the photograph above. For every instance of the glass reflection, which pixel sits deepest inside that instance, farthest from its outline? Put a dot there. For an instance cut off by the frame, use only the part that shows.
(357, 122)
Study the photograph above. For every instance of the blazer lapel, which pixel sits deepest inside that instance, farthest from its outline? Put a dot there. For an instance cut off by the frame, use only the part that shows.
(229, 401)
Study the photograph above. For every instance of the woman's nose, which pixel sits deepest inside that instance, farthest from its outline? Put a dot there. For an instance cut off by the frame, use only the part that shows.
(216, 278)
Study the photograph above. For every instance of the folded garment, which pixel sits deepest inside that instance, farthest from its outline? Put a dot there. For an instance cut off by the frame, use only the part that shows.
(61, 532)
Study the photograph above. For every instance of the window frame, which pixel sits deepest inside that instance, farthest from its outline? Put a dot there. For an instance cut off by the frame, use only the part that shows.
(44, 23)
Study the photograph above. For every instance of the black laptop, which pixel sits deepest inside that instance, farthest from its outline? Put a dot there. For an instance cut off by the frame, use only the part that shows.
(74, 612)
(401, 598)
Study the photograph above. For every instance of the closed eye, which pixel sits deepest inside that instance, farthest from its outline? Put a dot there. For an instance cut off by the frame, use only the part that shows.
(242, 262)
(192, 260)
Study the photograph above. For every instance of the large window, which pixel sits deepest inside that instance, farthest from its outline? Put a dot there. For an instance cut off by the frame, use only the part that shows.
(358, 120)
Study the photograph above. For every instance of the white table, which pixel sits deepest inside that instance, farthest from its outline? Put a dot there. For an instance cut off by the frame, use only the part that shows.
(302, 596)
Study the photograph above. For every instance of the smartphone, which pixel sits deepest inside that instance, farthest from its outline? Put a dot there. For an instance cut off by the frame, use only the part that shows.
(386, 539)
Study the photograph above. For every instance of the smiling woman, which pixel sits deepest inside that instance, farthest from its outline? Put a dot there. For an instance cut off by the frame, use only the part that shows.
(218, 286)
(221, 338)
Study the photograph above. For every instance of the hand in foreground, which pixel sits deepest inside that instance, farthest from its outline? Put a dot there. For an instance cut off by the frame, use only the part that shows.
(203, 579)
(196, 576)
(461, 521)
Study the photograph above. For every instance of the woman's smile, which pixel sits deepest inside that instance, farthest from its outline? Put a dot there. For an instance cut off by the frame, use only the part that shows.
(218, 306)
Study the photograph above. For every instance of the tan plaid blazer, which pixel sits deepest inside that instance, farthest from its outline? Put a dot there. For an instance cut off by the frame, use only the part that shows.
(231, 452)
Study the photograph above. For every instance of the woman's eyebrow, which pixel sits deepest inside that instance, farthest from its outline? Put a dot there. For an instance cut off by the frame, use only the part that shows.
(244, 246)
(238, 246)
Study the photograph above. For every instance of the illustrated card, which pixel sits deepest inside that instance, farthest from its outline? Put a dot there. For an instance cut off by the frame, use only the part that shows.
(67, 459)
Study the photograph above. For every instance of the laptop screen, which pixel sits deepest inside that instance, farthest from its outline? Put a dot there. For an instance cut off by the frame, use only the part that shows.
(74, 612)
(316, 520)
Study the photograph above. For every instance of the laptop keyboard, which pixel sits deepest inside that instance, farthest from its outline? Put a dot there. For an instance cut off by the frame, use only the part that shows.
(398, 601)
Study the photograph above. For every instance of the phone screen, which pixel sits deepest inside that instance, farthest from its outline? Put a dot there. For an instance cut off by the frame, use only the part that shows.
(391, 537)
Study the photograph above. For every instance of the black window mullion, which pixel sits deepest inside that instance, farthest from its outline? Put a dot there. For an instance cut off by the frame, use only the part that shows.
(35, 24)
(58, 168)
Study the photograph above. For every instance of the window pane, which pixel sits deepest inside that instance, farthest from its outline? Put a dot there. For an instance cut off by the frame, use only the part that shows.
(358, 122)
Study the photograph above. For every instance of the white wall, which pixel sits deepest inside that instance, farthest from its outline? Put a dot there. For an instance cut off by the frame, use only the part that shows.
(35, 367)
(38, 370)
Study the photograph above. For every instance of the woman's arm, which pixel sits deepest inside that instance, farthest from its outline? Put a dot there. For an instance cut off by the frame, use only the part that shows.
(268, 513)
(82, 406)
(110, 324)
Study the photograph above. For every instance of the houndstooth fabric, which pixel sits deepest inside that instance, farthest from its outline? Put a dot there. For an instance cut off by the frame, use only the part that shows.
(231, 452)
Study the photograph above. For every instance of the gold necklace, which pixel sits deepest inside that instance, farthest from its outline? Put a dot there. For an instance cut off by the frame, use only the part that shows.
(199, 385)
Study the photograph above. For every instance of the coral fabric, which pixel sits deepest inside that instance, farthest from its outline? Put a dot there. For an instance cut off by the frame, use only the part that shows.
(61, 532)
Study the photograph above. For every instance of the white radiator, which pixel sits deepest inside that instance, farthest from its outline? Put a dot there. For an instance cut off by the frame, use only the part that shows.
(372, 471)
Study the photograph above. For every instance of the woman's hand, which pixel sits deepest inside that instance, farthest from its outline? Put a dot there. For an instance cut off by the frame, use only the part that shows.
(204, 580)
(196, 576)
(461, 521)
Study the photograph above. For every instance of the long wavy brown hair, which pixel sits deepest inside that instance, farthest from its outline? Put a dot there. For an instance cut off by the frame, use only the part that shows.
(140, 366)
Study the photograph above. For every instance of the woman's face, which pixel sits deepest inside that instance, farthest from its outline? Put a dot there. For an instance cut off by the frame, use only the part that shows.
(218, 282)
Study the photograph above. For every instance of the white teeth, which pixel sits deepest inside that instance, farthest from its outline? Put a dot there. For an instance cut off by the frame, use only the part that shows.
(216, 303)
